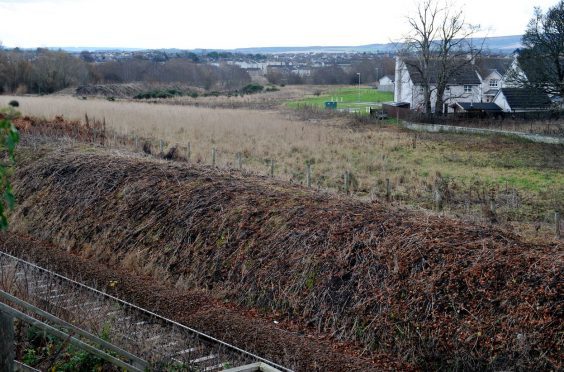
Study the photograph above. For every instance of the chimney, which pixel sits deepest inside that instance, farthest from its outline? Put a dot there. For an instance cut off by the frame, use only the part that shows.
(397, 80)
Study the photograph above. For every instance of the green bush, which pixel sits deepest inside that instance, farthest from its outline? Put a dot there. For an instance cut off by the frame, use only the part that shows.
(252, 88)
(30, 357)
(9, 137)
(174, 92)
(167, 93)
(41, 346)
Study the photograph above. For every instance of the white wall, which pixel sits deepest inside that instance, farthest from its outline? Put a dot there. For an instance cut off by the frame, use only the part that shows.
(502, 102)
(404, 86)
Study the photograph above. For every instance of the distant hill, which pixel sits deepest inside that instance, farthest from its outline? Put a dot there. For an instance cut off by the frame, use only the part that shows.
(497, 44)
(503, 44)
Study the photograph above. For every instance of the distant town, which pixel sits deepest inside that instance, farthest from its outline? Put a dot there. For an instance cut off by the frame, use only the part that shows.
(283, 61)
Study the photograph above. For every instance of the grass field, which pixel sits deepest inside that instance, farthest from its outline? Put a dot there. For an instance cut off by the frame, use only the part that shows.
(348, 98)
(526, 179)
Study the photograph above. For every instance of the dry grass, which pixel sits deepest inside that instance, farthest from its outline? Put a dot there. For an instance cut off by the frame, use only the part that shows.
(526, 179)
(258, 135)
(266, 100)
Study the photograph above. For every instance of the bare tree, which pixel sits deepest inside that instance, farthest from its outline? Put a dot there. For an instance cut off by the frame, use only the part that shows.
(441, 45)
(456, 51)
(420, 42)
(329, 75)
(371, 69)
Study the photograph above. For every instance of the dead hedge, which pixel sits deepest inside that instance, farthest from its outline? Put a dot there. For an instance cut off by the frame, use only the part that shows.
(434, 291)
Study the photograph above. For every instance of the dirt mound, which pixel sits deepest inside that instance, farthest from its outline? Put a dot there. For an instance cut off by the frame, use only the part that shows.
(35, 131)
(127, 90)
(110, 90)
(436, 292)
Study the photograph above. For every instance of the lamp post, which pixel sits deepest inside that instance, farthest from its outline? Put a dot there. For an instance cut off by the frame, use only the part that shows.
(358, 73)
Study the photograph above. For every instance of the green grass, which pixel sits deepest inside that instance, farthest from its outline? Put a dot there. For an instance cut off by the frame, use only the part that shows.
(347, 98)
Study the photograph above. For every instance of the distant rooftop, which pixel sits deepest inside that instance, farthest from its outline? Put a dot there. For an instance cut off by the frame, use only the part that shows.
(526, 98)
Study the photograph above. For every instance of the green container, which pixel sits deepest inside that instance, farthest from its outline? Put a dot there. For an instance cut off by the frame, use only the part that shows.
(331, 105)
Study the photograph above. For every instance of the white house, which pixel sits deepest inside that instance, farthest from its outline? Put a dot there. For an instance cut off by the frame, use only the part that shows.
(386, 83)
(478, 81)
(464, 86)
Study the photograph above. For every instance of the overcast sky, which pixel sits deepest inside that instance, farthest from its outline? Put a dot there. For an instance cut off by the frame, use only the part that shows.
(232, 23)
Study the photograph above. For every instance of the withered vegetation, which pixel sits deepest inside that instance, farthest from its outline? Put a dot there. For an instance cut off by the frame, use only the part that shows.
(434, 291)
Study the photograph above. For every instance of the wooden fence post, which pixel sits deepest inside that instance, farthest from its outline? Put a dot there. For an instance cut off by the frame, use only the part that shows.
(161, 146)
(388, 189)
(7, 342)
(239, 161)
(188, 151)
(308, 175)
(493, 208)
(213, 156)
(271, 167)
(347, 182)
(557, 224)
(136, 142)
(438, 196)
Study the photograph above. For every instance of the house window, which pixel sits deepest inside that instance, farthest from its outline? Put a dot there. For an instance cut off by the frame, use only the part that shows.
(494, 83)
(468, 89)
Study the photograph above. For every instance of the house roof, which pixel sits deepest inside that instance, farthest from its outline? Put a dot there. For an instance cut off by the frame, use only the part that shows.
(491, 92)
(479, 106)
(466, 74)
(526, 98)
(487, 65)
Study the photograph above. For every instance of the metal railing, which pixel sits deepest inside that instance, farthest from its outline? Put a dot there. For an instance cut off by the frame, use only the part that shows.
(124, 359)
(30, 276)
